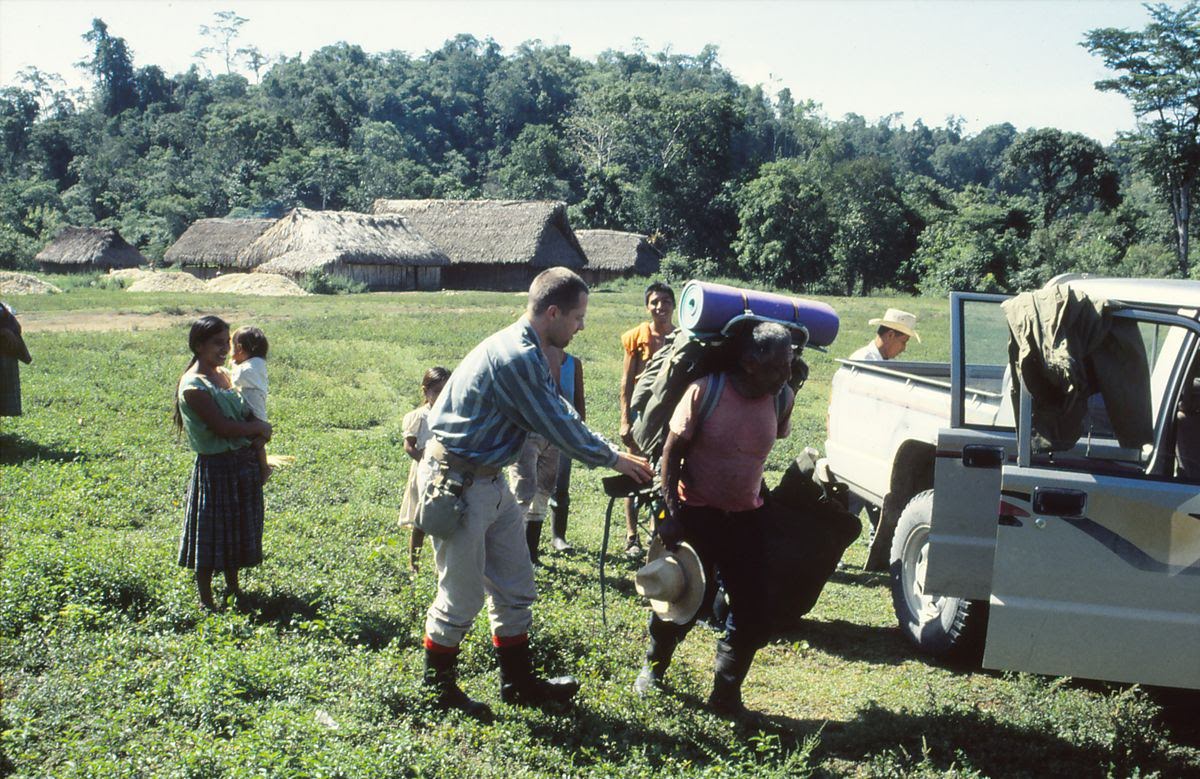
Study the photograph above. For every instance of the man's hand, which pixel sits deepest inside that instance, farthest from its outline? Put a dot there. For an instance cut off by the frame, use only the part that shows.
(626, 436)
(636, 468)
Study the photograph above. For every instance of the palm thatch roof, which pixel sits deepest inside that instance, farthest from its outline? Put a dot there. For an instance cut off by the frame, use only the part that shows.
(613, 250)
(312, 240)
(215, 242)
(90, 247)
(487, 232)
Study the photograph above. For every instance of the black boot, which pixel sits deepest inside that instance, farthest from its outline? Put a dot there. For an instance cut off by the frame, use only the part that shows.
(561, 507)
(520, 686)
(442, 680)
(533, 537)
(664, 637)
(733, 663)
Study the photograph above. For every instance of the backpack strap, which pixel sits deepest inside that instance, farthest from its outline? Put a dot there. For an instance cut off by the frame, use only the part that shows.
(781, 401)
(712, 395)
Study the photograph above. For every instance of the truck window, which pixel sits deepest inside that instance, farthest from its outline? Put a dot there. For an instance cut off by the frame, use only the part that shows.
(986, 379)
(1098, 449)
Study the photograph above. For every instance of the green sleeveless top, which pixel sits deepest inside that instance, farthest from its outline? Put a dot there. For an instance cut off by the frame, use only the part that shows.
(200, 437)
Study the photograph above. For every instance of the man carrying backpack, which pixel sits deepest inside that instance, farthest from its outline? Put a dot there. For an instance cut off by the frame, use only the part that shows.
(712, 470)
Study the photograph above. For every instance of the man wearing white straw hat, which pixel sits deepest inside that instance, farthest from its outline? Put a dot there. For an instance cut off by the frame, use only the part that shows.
(712, 470)
(895, 328)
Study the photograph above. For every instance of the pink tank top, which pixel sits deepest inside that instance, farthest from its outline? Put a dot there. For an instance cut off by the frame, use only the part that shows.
(723, 467)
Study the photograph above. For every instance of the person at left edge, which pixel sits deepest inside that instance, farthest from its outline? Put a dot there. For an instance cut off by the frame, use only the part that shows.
(502, 391)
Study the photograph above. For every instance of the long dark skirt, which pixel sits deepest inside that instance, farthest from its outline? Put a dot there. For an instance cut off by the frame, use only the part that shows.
(223, 521)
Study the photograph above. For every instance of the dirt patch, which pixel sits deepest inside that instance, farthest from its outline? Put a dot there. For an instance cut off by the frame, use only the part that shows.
(96, 321)
(24, 284)
(270, 284)
(168, 282)
(129, 275)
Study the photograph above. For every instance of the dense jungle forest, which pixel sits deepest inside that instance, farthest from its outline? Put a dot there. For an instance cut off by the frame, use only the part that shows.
(726, 178)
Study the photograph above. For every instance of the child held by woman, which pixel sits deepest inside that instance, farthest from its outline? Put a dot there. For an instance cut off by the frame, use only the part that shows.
(416, 435)
(249, 377)
(223, 520)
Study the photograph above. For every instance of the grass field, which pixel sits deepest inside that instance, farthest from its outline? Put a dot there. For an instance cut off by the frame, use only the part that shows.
(111, 669)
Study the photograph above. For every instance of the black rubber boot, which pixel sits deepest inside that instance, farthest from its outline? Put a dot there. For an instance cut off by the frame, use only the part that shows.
(520, 686)
(533, 537)
(732, 665)
(560, 508)
(441, 678)
(664, 638)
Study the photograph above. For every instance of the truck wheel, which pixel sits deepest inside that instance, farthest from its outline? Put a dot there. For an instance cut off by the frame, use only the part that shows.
(940, 626)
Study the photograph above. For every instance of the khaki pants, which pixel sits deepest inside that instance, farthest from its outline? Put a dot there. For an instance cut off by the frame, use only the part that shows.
(534, 476)
(486, 559)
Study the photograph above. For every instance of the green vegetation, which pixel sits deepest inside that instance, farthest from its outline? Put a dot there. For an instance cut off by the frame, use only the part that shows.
(323, 284)
(724, 175)
(110, 668)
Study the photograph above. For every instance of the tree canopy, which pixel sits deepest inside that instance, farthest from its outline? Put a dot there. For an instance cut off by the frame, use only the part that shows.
(728, 178)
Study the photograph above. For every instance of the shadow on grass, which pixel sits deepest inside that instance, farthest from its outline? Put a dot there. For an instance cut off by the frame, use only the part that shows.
(15, 450)
(850, 641)
(857, 577)
(282, 609)
(948, 738)
(613, 739)
(285, 611)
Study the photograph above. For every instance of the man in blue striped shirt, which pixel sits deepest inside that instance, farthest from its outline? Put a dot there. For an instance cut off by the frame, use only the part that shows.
(499, 393)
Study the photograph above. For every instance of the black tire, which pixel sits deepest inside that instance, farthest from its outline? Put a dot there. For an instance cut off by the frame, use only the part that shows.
(944, 627)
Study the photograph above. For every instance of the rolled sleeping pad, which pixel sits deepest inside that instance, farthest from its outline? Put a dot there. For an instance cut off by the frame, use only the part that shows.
(706, 308)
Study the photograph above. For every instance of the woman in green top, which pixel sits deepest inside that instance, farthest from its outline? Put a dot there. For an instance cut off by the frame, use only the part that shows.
(223, 521)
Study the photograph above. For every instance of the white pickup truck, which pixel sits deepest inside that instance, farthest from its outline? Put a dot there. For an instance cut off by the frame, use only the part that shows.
(1079, 563)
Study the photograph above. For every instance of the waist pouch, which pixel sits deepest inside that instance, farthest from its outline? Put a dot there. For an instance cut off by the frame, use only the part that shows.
(442, 510)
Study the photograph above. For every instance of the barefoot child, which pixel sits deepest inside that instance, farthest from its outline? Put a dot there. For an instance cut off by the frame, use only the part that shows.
(249, 376)
(416, 434)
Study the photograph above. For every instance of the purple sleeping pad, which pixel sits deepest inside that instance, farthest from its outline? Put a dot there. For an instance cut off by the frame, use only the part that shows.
(706, 308)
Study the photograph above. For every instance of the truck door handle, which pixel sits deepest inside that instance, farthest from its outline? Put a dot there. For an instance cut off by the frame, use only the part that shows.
(982, 456)
(1058, 502)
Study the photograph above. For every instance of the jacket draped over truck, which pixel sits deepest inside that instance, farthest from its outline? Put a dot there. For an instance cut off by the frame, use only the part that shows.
(1067, 347)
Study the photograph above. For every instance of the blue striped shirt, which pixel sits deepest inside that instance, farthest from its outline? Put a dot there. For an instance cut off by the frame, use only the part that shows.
(501, 391)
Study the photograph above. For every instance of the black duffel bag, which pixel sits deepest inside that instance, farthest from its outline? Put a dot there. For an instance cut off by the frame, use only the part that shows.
(809, 528)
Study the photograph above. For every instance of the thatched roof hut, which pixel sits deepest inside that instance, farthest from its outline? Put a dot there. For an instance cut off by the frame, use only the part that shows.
(211, 246)
(86, 249)
(379, 251)
(615, 254)
(492, 244)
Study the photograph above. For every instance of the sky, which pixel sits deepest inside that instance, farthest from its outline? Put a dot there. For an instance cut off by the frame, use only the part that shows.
(986, 61)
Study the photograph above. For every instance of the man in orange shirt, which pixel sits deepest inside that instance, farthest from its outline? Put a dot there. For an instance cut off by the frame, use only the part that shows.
(640, 344)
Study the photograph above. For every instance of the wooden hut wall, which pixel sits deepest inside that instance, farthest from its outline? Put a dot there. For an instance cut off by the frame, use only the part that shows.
(600, 275)
(380, 277)
(429, 278)
(491, 276)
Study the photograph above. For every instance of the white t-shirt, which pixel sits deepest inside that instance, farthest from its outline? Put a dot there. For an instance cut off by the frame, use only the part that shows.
(250, 379)
(416, 425)
(869, 353)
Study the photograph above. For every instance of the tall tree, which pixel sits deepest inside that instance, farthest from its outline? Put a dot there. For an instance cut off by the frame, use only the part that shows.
(1159, 71)
(221, 34)
(1063, 169)
(112, 65)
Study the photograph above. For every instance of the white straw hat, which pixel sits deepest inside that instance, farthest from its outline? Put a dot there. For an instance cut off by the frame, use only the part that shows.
(673, 581)
(900, 321)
